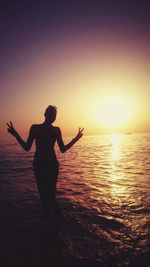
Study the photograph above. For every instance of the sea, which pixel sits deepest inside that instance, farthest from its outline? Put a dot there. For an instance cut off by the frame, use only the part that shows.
(104, 191)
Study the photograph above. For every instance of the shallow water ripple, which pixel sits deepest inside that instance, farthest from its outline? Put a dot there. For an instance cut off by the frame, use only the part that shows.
(107, 176)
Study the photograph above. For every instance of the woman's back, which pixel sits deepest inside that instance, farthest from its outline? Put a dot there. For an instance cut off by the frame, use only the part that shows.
(45, 137)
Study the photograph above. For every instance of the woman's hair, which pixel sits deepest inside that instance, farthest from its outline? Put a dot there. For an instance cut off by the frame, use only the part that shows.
(50, 110)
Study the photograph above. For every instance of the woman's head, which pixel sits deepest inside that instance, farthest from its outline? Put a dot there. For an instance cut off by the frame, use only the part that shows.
(50, 113)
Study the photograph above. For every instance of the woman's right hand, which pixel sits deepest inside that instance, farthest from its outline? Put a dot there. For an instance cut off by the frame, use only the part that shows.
(11, 129)
(79, 134)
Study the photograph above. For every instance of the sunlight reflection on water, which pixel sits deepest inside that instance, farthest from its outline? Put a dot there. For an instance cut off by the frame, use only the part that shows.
(108, 174)
(112, 169)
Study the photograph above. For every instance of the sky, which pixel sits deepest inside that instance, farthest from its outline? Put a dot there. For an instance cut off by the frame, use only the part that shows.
(89, 58)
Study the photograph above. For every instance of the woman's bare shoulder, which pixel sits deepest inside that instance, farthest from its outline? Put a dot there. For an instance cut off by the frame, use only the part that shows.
(56, 129)
(36, 126)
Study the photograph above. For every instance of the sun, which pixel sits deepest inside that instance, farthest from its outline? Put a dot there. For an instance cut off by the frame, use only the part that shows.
(113, 112)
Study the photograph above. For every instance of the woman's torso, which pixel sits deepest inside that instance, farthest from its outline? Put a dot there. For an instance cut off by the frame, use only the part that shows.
(45, 138)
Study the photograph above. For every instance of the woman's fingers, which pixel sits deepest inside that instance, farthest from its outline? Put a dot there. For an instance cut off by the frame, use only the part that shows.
(10, 125)
(81, 130)
(80, 133)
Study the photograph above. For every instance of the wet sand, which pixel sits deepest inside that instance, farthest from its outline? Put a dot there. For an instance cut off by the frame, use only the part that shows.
(26, 241)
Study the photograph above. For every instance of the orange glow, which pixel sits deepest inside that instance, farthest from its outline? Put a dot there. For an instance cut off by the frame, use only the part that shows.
(103, 94)
(113, 112)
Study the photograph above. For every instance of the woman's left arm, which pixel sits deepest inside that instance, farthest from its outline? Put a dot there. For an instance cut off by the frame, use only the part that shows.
(25, 145)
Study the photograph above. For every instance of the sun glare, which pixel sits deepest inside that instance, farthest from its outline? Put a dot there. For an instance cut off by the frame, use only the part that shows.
(113, 112)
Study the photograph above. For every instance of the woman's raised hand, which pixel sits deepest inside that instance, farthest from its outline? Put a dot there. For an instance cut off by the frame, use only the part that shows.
(79, 134)
(11, 129)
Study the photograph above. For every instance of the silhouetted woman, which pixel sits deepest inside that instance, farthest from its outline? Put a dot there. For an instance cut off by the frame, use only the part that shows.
(46, 165)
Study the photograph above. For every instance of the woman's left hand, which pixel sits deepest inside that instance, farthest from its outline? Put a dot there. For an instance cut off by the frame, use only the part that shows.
(11, 129)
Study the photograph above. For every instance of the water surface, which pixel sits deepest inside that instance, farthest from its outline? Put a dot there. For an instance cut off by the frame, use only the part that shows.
(104, 190)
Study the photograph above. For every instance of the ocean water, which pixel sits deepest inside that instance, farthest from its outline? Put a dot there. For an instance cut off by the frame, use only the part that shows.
(104, 190)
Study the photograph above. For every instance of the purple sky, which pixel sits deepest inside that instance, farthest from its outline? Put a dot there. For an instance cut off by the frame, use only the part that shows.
(34, 32)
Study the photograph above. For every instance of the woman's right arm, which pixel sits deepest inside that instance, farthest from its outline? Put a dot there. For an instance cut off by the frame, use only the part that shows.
(25, 145)
(63, 148)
